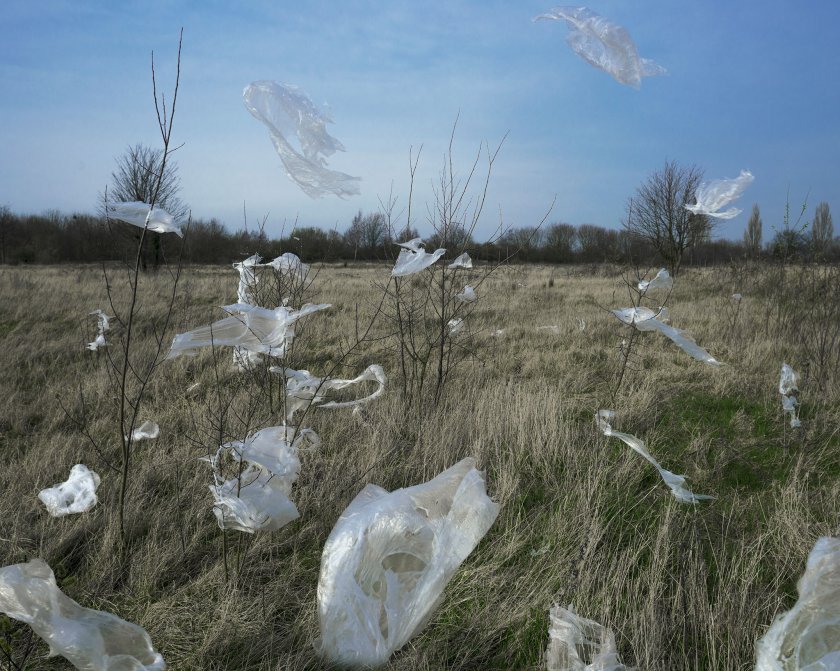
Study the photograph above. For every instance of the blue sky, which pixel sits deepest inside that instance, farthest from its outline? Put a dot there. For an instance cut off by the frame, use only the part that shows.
(751, 85)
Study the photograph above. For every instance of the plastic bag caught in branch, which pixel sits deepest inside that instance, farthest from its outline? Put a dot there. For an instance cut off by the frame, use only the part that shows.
(243, 359)
(288, 112)
(413, 258)
(462, 261)
(102, 325)
(675, 482)
(578, 644)
(388, 559)
(91, 640)
(289, 264)
(253, 328)
(604, 45)
(712, 196)
(467, 295)
(787, 388)
(77, 494)
(455, 326)
(807, 637)
(148, 430)
(662, 281)
(137, 213)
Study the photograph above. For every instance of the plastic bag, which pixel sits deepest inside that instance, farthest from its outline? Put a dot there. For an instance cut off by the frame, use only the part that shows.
(137, 213)
(287, 111)
(253, 328)
(712, 196)
(663, 280)
(413, 258)
(102, 325)
(289, 264)
(736, 298)
(462, 261)
(467, 295)
(243, 359)
(788, 382)
(578, 644)
(91, 640)
(388, 559)
(77, 494)
(675, 482)
(604, 44)
(148, 430)
(646, 319)
(807, 637)
(455, 326)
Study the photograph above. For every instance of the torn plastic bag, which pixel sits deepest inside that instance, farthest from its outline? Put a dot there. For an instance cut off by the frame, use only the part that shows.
(148, 430)
(646, 319)
(712, 196)
(413, 245)
(253, 328)
(98, 342)
(412, 260)
(243, 359)
(807, 637)
(455, 326)
(604, 45)
(675, 482)
(289, 264)
(138, 213)
(462, 261)
(578, 644)
(77, 494)
(288, 112)
(388, 559)
(91, 640)
(662, 281)
(467, 295)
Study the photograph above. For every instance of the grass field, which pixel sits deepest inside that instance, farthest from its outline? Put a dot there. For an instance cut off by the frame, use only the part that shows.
(583, 521)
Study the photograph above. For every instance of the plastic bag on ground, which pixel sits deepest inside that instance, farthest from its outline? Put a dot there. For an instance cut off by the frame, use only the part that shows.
(288, 112)
(663, 280)
(807, 637)
(102, 325)
(578, 644)
(787, 388)
(462, 261)
(712, 196)
(413, 258)
(604, 44)
(91, 640)
(77, 494)
(388, 559)
(148, 430)
(675, 482)
(137, 213)
(467, 295)
(455, 326)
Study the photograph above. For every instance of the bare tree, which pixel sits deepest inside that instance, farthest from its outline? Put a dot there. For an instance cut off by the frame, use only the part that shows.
(560, 241)
(137, 176)
(752, 236)
(657, 213)
(822, 230)
(367, 233)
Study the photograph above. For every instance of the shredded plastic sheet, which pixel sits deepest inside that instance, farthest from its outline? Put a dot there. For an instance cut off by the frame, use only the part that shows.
(604, 44)
(578, 644)
(712, 196)
(148, 430)
(467, 295)
(304, 389)
(455, 326)
(388, 559)
(788, 388)
(646, 319)
(807, 637)
(675, 482)
(137, 213)
(287, 111)
(258, 500)
(413, 258)
(77, 494)
(253, 328)
(462, 261)
(663, 280)
(102, 325)
(91, 640)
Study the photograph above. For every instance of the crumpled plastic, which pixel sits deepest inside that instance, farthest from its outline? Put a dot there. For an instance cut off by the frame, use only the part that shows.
(462, 261)
(258, 500)
(455, 326)
(717, 194)
(253, 328)
(413, 258)
(91, 640)
(807, 637)
(286, 111)
(675, 482)
(148, 430)
(605, 45)
(578, 644)
(736, 298)
(77, 494)
(304, 389)
(137, 213)
(788, 382)
(467, 295)
(289, 264)
(663, 280)
(102, 325)
(243, 359)
(646, 319)
(388, 559)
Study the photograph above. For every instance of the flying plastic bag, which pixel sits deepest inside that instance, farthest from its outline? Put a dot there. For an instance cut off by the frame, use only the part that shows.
(138, 213)
(646, 319)
(102, 325)
(462, 261)
(91, 640)
(388, 559)
(807, 637)
(253, 328)
(148, 430)
(675, 482)
(662, 281)
(578, 644)
(604, 44)
(788, 388)
(77, 494)
(712, 196)
(467, 295)
(287, 111)
(413, 258)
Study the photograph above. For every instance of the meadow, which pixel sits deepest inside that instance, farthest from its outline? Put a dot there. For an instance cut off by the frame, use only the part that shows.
(583, 519)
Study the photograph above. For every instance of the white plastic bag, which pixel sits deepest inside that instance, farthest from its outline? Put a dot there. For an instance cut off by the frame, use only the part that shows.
(663, 280)
(102, 325)
(462, 261)
(91, 640)
(455, 326)
(467, 295)
(137, 213)
(388, 559)
(243, 359)
(148, 430)
(289, 264)
(788, 388)
(578, 644)
(645, 319)
(77, 494)
(712, 196)
(413, 258)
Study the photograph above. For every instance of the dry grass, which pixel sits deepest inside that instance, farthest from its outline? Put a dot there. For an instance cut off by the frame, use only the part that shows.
(583, 519)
